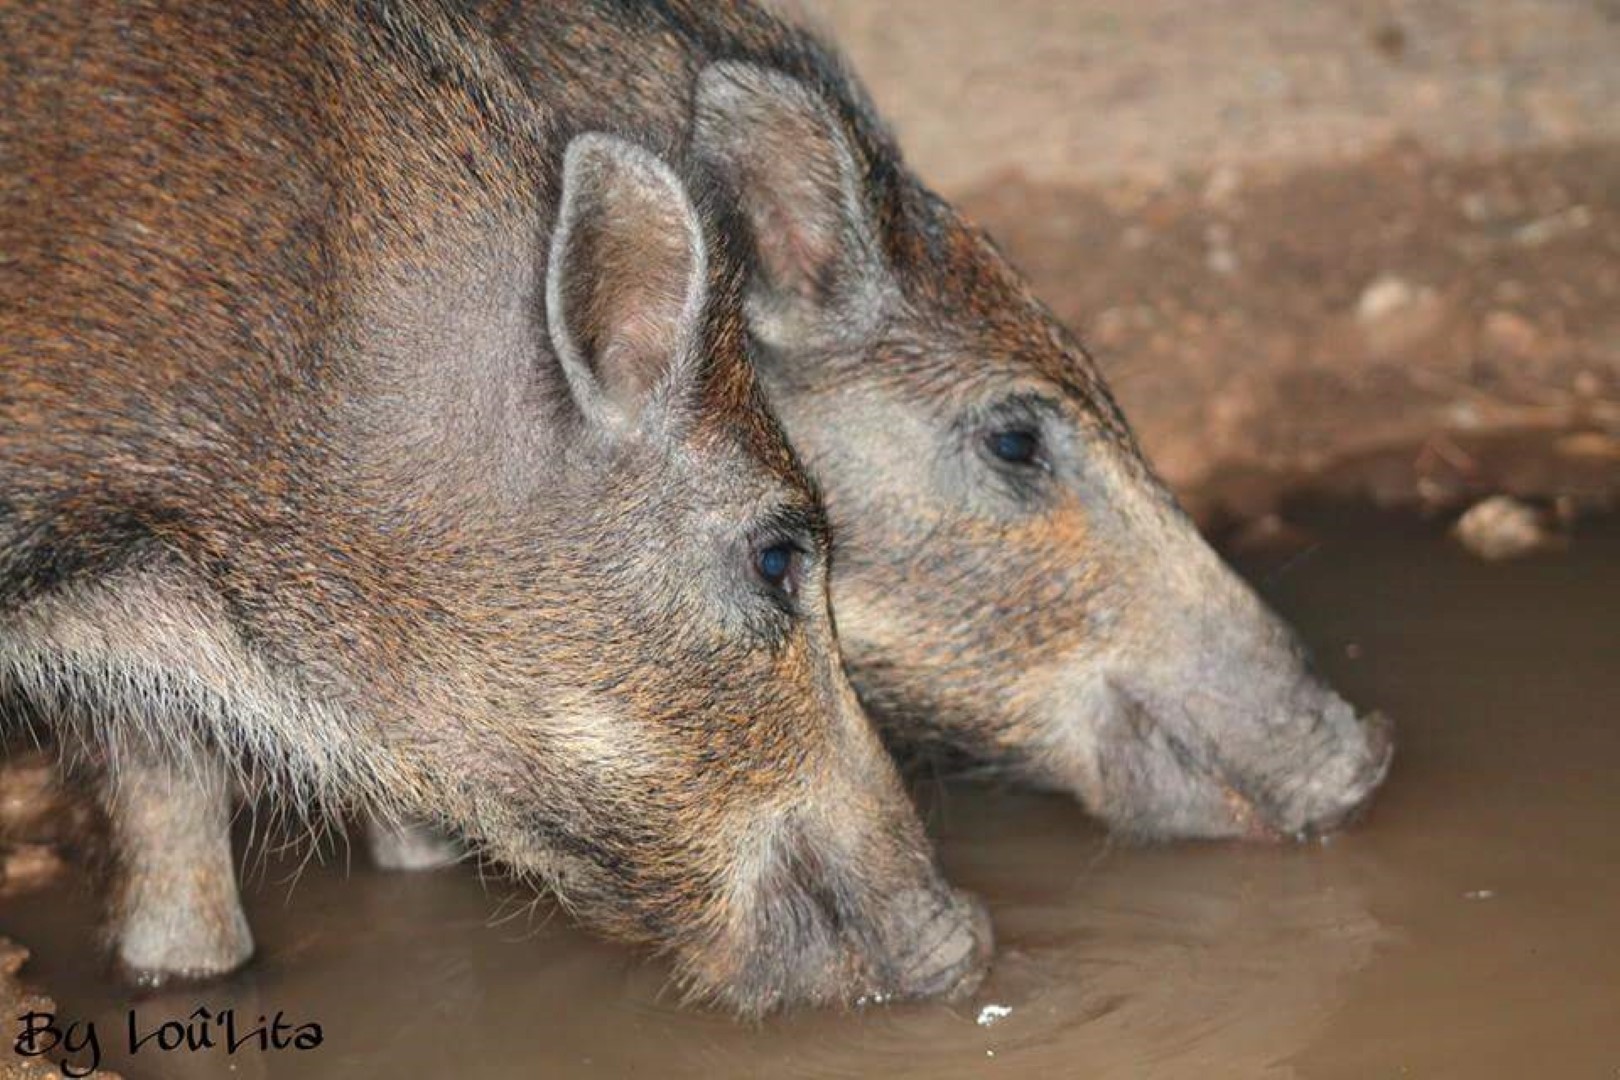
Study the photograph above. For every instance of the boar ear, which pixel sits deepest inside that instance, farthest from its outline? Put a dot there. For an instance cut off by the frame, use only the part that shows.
(786, 157)
(626, 284)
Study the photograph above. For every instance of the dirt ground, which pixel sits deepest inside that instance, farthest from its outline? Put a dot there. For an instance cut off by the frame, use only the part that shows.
(17, 1000)
(1363, 240)
(42, 833)
(1268, 332)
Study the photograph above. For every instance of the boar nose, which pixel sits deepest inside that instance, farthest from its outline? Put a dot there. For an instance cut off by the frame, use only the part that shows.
(1334, 793)
(946, 951)
(1379, 732)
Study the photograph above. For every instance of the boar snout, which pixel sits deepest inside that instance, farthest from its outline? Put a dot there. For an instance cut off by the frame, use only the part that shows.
(1219, 766)
(838, 924)
(1321, 802)
(1204, 715)
(1302, 760)
(945, 945)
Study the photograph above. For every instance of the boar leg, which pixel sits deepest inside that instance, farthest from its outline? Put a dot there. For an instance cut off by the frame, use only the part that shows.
(176, 913)
(408, 845)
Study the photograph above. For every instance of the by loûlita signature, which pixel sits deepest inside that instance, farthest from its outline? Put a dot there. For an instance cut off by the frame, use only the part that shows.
(77, 1045)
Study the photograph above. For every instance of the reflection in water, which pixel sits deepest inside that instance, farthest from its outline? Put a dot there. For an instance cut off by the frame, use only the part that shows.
(1465, 927)
(1114, 960)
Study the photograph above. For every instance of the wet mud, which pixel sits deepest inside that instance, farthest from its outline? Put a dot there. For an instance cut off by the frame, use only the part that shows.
(1467, 926)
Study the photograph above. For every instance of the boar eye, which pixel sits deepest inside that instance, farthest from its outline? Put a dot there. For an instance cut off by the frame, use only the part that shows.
(777, 565)
(1016, 446)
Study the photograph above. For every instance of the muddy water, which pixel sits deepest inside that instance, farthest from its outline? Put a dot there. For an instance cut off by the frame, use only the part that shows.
(1470, 926)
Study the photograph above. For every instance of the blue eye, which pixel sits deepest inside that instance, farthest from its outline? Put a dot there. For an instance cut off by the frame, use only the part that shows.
(1015, 446)
(776, 565)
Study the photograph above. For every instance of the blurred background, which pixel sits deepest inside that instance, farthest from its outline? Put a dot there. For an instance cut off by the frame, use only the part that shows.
(1370, 247)
(1352, 250)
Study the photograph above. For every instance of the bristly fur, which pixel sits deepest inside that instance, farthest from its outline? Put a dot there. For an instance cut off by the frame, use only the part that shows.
(982, 608)
(120, 668)
(293, 488)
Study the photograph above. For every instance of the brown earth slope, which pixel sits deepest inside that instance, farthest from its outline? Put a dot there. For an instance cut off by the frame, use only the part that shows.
(1373, 241)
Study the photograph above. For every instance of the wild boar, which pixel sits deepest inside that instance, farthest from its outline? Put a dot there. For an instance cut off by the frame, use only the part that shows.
(374, 433)
(1013, 582)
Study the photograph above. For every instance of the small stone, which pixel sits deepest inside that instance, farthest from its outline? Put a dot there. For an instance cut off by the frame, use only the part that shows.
(1394, 314)
(1590, 446)
(1502, 527)
(1434, 492)
(12, 957)
(1224, 183)
(1476, 207)
(1547, 229)
(1386, 296)
(1510, 334)
(1464, 415)
(1221, 261)
(28, 867)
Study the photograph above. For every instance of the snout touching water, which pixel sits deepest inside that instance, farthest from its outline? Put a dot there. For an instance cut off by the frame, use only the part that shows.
(1158, 773)
(577, 430)
(951, 943)
(1193, 710)
(1335, 799)
(839, 921)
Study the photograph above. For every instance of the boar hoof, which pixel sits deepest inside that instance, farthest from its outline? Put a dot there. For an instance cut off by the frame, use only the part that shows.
(157, 951)
(409, 846)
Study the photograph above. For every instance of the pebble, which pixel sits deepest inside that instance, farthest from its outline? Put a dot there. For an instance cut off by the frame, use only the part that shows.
(1223, 262)
(1385, 296)
(1502, 527)
(1553, 226)
(27, 867)
(1394, 313)
(1590, 446)
(1510, 334)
